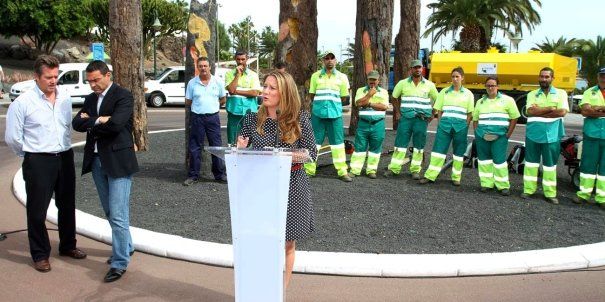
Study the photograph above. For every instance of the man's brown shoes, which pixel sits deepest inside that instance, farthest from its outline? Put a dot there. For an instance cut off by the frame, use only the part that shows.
(75, 253)
(42, 265)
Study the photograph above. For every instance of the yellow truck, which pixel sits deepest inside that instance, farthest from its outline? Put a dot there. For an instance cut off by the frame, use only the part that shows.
(516, 72)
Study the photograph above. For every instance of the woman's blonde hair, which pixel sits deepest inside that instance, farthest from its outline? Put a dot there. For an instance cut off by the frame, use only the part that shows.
(289, 108)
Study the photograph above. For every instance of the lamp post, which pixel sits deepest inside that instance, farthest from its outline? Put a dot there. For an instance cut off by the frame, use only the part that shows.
(218, 40)
(516, 39)
(156, 27)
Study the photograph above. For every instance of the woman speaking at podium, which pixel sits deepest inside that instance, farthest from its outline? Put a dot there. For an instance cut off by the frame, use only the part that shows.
(281, 123)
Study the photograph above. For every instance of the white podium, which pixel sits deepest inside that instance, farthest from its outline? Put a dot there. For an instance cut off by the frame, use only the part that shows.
(258, 182)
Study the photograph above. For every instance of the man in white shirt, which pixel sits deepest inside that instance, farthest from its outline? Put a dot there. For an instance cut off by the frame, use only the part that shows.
(38, 128)
(204, 95)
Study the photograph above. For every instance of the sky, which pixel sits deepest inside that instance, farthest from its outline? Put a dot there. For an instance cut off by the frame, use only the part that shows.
(336, 21)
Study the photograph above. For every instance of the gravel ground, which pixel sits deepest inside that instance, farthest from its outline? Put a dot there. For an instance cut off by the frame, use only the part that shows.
(371, 216)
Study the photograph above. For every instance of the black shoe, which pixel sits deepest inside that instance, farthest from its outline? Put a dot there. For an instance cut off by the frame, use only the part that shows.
(109, 259)
(505, 192)
(578, 200)
(389, 174)
(114, 274)
(552, 200)
(345, 178)
(189, 181)
(526, 196)
(485, 189)
(222, 179)
(424, 181)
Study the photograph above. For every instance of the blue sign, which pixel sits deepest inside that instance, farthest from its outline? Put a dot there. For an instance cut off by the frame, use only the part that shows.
(98, 52)
(579, 62)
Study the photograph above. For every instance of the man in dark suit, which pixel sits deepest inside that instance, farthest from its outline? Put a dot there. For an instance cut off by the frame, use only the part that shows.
(109, 154)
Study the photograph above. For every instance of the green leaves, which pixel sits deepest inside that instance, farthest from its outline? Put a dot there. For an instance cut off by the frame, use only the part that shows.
(172, 15)
(244, 36)
(478, 19)
(44, 22)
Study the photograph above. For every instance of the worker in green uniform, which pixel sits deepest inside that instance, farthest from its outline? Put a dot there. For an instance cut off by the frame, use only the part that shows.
(328, 88)
(243, 86)
(373, 102)
(417, 96)
(592, 164)
(454, 107)
(494, 119)
(546, 108)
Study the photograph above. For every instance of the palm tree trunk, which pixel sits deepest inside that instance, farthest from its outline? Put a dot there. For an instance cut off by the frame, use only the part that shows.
(407, 45)
(201, 41)
(125, 30)
(297, 41)
(470, 37)
(374, 25)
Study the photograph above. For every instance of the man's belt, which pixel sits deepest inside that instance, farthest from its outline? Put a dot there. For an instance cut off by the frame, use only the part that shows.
(421, 116)
(373, 122)
(205, 114)
(46, 153)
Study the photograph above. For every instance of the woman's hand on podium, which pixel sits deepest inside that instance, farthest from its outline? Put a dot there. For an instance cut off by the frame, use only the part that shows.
(300, 156)
(242, 142)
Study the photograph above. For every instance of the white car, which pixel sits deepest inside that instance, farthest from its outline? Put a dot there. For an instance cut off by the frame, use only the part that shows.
(169, 88)
(72, 77)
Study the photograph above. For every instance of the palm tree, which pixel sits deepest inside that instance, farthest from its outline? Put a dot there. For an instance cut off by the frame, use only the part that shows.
(477, 19)
(561, 46)
(268, 42)
(593, 57)
(350, 51)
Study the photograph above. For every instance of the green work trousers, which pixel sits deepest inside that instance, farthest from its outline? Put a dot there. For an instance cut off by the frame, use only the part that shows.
(493, 168)
(548, 154)
(592, 168)
(415, 129)
(443, 139)
(334, 128)
(369, 137)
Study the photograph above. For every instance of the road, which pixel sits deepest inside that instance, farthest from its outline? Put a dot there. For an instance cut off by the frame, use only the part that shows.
(152, 278)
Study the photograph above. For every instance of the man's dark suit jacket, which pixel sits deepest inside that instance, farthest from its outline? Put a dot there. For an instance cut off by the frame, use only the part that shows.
(114, 138)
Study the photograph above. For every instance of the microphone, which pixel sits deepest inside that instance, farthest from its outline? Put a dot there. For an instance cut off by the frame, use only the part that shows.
(239, 125)
(277, 138)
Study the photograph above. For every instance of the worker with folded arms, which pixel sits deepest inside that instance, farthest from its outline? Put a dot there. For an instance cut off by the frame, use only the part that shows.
(546, 107)
(592, 165)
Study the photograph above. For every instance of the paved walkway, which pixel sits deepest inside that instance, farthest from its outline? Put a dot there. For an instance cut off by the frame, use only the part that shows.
(151, 278)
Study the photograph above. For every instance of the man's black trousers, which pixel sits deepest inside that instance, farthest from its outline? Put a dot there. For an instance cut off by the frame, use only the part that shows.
(45, 174)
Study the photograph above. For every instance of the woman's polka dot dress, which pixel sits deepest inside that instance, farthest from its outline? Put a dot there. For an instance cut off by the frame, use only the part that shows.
(299, 221)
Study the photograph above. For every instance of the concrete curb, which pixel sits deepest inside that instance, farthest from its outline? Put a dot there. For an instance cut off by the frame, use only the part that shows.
(349, 264)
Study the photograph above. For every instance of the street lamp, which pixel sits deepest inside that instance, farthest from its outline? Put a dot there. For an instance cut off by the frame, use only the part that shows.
(515, 40)
(218, 40)
(156, 27)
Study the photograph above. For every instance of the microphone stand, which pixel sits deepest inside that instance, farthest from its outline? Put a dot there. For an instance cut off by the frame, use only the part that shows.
(277, 138)
(239, 125)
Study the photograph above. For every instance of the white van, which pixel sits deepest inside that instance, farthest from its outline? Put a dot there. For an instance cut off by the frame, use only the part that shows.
(169, 88)
(72, 77)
